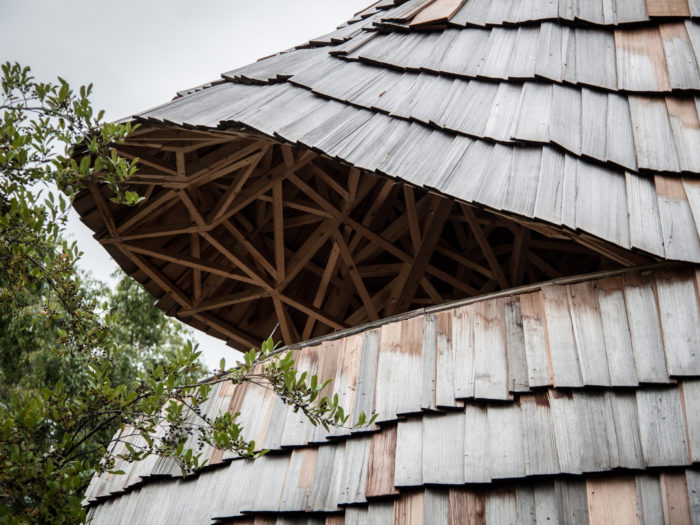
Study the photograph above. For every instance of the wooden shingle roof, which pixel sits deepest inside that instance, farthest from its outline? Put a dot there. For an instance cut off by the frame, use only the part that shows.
(528, 108)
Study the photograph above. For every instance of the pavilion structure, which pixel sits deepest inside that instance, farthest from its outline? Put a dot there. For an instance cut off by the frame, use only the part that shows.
(480, 218)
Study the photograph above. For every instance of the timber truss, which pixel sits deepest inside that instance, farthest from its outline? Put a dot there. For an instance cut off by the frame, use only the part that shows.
(239, 235)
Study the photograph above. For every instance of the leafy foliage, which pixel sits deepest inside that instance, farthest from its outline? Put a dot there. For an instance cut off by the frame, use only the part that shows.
(78, 361)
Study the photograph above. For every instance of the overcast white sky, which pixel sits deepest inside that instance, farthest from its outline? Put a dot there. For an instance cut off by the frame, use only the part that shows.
(138, 53)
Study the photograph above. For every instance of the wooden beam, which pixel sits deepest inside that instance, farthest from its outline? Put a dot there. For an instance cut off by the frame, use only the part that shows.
(180, 145)
(255, 276)
(195, 252)
(485, 246)
(380, 241)
(278, 225)
(410, 276)
(222, 157)
(247, 340)
(451, 280)
(309, 208)
(262, 184)
(146, 159)
(312, 311)
(289, 333)
(453, 254)
(287, 155)
(235, 188)
(395, 230)
(380, 270)
(353, 182)
(296, 222)
(379, 299)
(258, 257)
(155, 231)
(102, 207)
(309, 265)
(435, 297)
(355, 276)
(221, 172)
(145, 210)
(369, 215)
(322, 289)
(308, 249)
(157, 276)
(191, 208)
(162, 135)
(212, 284)
(180, 164)
(298, 204)
(227, 300)
(186, 260)
(611, 251)
(412, 217)
(329, 181)
(519, 257)
(149, 191)
(543, 265)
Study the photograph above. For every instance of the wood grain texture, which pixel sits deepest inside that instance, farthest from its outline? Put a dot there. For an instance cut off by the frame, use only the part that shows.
(408, 509)
(445, 386)
(477, 461)
(490, 353)
(667, 8)
(443, 448)
(680, 321)
(518, 380)
(505, 438)
(616, 332)
(439, 11)
(645, 329)
(662, 427)
(539, 366)
(649, 502)
(643, 209)
(674, 495)
(560, 337)
(380, 471)
(467, 507)
(538, 436)
(612, 501)
(588, 333)
(409, 454)
(675, 214)
(690, 400)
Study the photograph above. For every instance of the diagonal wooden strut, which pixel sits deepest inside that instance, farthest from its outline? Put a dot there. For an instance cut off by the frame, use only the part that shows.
(412, 273)
(242, 232)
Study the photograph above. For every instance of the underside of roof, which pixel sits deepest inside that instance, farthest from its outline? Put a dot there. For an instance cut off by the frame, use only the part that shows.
(424, 152)
(273, 233)
(573, 401)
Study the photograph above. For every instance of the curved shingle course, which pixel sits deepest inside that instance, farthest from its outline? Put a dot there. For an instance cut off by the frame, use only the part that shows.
(617, 102)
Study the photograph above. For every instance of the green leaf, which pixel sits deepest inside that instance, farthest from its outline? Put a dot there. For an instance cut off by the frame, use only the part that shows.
(84, 165)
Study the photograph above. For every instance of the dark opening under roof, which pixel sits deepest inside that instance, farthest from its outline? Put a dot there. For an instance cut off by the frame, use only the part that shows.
(423, 152)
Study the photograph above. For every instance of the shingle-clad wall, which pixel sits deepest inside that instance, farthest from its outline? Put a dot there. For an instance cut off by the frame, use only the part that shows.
(560, 399)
